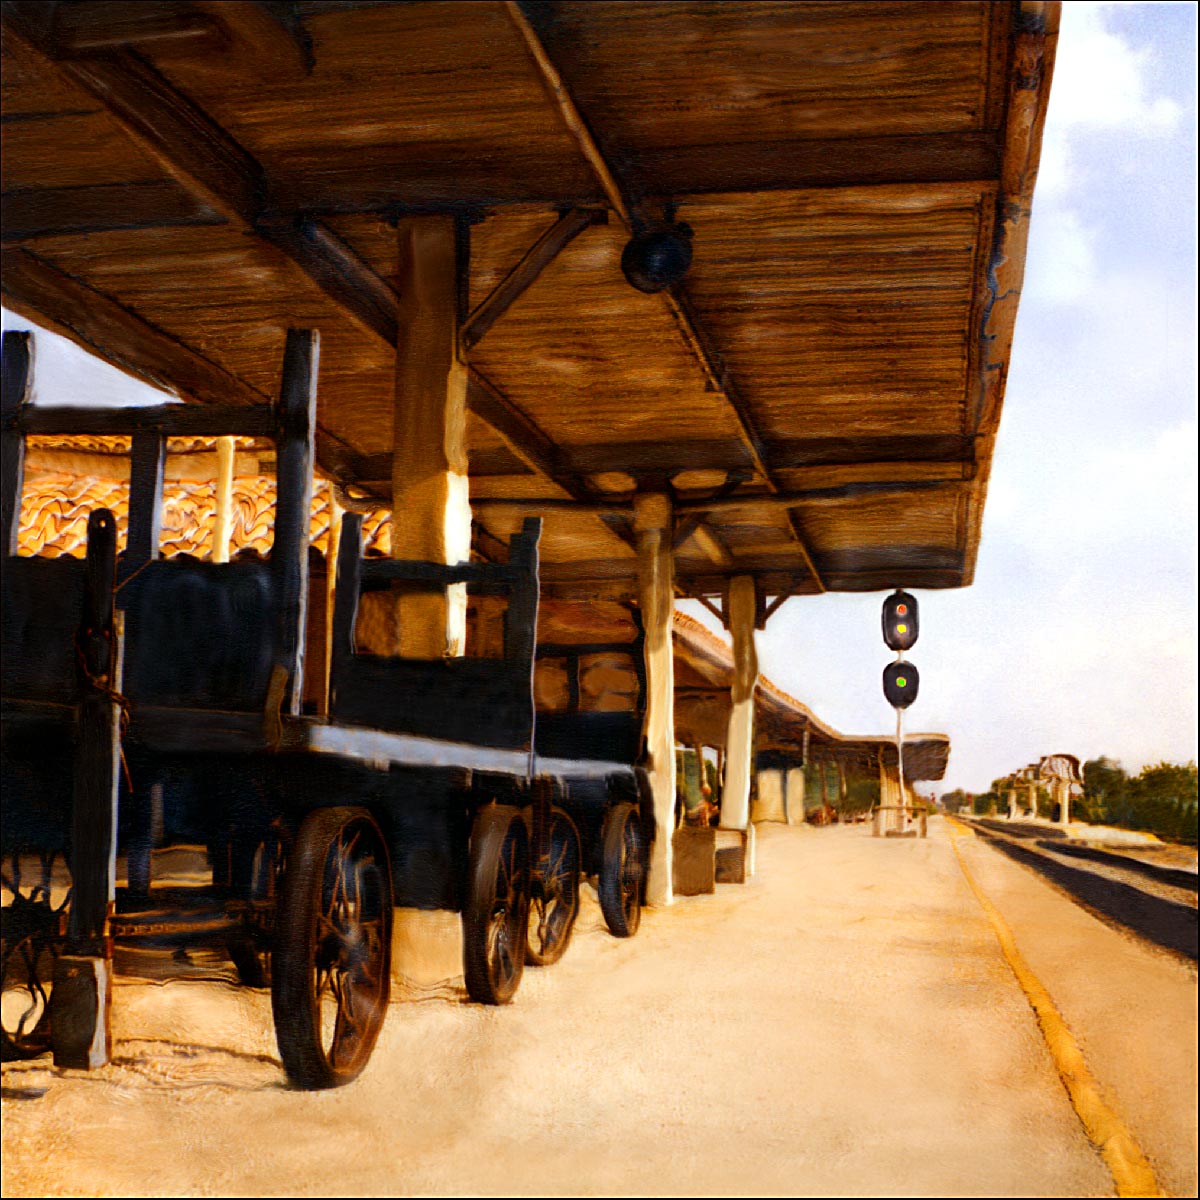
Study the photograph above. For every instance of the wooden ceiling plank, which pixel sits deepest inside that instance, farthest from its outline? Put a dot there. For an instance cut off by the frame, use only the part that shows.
(519, 431)
(680, 171)
(675, 298)
(538, 257)
(93, 26)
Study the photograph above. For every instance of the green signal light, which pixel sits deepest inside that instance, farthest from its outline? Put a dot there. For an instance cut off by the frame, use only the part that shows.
(901, 681)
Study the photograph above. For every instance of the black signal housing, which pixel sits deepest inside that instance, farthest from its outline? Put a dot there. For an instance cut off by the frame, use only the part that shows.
(901, 682)
(901, 621)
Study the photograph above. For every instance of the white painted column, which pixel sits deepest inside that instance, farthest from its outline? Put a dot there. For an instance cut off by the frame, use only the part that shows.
(890, 795)
(793, 792)
(656, 593)
(1033, 804)
(739, 740)
(336, 512)
(431, 510)
(1063, 788)
(768, 801)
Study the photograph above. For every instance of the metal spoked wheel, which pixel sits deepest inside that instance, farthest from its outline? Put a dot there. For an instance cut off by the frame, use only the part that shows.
(554, 899)
(496, 913)
(622, 870)
(31, 940)
(331, 968)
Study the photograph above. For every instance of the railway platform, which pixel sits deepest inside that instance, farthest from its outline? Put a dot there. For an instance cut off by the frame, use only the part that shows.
(845, 1023)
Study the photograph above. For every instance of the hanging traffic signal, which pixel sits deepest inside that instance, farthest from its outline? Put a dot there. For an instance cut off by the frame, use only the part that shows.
(900, 683)
(900, 620)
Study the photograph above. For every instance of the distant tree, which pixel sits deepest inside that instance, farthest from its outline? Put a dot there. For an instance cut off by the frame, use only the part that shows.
(1162, 799)
(957, 800)
(986, 803)
(1105, 792)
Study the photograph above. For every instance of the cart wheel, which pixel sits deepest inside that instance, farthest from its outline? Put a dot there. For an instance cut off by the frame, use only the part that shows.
(554, 902)
(31, 939)
(331, 967)
(622, 870)
(496, 913)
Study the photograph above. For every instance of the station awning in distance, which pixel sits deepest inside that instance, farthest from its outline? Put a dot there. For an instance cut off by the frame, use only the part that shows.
(787, 732)
(819, 393)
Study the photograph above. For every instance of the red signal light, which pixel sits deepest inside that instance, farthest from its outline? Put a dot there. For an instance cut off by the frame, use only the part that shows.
(902, 610)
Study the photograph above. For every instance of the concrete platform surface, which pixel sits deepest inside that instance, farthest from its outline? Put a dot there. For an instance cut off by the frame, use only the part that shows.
(842, 1024)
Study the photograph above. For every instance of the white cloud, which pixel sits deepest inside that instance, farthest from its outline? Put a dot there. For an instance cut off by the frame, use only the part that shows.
(1068, 272)
(63, 373)
(1102, 82)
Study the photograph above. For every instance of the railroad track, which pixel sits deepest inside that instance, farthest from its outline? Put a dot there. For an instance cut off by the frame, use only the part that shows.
(1158, 904)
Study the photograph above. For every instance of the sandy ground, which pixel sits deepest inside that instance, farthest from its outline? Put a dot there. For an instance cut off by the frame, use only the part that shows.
(844, 1024)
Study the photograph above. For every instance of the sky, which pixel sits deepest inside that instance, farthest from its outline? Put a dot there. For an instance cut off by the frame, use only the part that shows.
(1079, 633)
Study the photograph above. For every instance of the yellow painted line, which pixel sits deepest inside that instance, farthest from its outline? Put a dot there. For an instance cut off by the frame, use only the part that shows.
(1132, 1174)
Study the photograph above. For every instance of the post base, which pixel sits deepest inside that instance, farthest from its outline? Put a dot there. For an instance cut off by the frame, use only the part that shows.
(79, 1012)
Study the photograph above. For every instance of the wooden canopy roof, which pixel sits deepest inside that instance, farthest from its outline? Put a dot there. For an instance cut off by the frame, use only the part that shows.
(820, 394)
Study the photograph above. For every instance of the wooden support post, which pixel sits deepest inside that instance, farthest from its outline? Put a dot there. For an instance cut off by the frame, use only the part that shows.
(16, 365)
(296, 414)
(82, 994)
(739, 741)
(431, 510)
(841, 786)
(223, 526)
(889, 819)
(652, 525)
(147, 460)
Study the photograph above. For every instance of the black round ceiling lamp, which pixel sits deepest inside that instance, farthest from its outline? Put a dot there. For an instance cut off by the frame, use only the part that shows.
(656, 258)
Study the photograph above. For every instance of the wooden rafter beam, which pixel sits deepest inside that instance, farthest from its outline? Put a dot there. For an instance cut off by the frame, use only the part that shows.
(31, 213)
(536, 259)
(690, 329)
(210, 164)
(788, 500)
(713, 545)
(41, 292)
(856, 458)
(685, 525)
